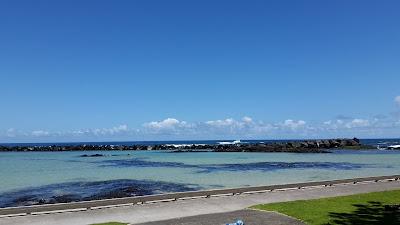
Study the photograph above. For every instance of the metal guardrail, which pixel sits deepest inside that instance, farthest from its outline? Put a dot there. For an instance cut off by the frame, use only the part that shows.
(88, 205)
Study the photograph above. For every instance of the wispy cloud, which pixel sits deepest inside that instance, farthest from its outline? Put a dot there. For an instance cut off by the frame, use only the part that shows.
(293, 124)
(168, 126)
(40, 133)
(117, 130)
(11, 132)
(246, 127)
(169, 123)
(397, 100)
(358, 123)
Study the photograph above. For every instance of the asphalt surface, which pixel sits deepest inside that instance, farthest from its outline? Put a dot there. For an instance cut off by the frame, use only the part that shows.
(249, 217)
(186, 208)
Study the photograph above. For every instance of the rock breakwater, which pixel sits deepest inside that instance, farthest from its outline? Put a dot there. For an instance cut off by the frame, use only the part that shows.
(311, 146)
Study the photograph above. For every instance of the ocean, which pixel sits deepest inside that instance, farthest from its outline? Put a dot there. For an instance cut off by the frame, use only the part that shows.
(29, 178)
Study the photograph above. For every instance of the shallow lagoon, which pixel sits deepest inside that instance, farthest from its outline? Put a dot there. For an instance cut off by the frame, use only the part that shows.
(47, 174)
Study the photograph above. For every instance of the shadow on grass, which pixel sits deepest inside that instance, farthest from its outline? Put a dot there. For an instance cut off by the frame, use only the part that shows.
(373, 213)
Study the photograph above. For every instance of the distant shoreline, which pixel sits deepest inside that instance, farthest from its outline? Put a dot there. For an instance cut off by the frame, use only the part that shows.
(305, 146)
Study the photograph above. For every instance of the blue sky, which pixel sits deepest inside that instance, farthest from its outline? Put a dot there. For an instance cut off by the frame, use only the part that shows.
(172, 70)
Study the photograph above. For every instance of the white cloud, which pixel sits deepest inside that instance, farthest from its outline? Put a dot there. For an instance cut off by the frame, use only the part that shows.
(247, 119)
(243, 128)
(121, 129)
(356, 123)
(293, 124)
(223, 127)
(247, 127)
(332, 124)
(230, 122)
(169, 123)
(117, 131)
(40, 133)
(397, 100)
(222, 123)
(79, 132)
(11, 132)
(169, 126)
(348, 124)
(231, 128)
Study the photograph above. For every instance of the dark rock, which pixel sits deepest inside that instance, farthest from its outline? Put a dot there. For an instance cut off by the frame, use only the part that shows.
(290, 146)
(93, 155)
(64, 198)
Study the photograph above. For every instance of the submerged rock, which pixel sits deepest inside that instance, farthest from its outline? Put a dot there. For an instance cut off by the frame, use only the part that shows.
(83, 191)
(93, 155)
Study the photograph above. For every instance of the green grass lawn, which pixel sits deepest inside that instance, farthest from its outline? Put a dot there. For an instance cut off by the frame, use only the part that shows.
(372, 208)
(110, 223)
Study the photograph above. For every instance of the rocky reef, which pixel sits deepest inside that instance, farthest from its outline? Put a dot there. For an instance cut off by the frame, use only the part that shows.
(311, 146)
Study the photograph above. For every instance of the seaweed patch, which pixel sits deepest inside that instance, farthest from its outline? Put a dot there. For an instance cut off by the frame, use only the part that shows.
(84, 191)
(256, 166)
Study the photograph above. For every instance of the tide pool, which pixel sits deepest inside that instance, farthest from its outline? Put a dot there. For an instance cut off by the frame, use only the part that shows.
(28, 176)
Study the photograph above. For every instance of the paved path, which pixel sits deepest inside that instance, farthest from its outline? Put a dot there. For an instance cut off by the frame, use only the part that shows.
(248, 216)
(185, 208)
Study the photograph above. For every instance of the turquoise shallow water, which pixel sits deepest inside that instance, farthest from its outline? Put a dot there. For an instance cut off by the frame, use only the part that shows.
(25, 171)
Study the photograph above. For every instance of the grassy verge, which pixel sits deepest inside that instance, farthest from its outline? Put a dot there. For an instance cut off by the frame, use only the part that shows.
(372, 208)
